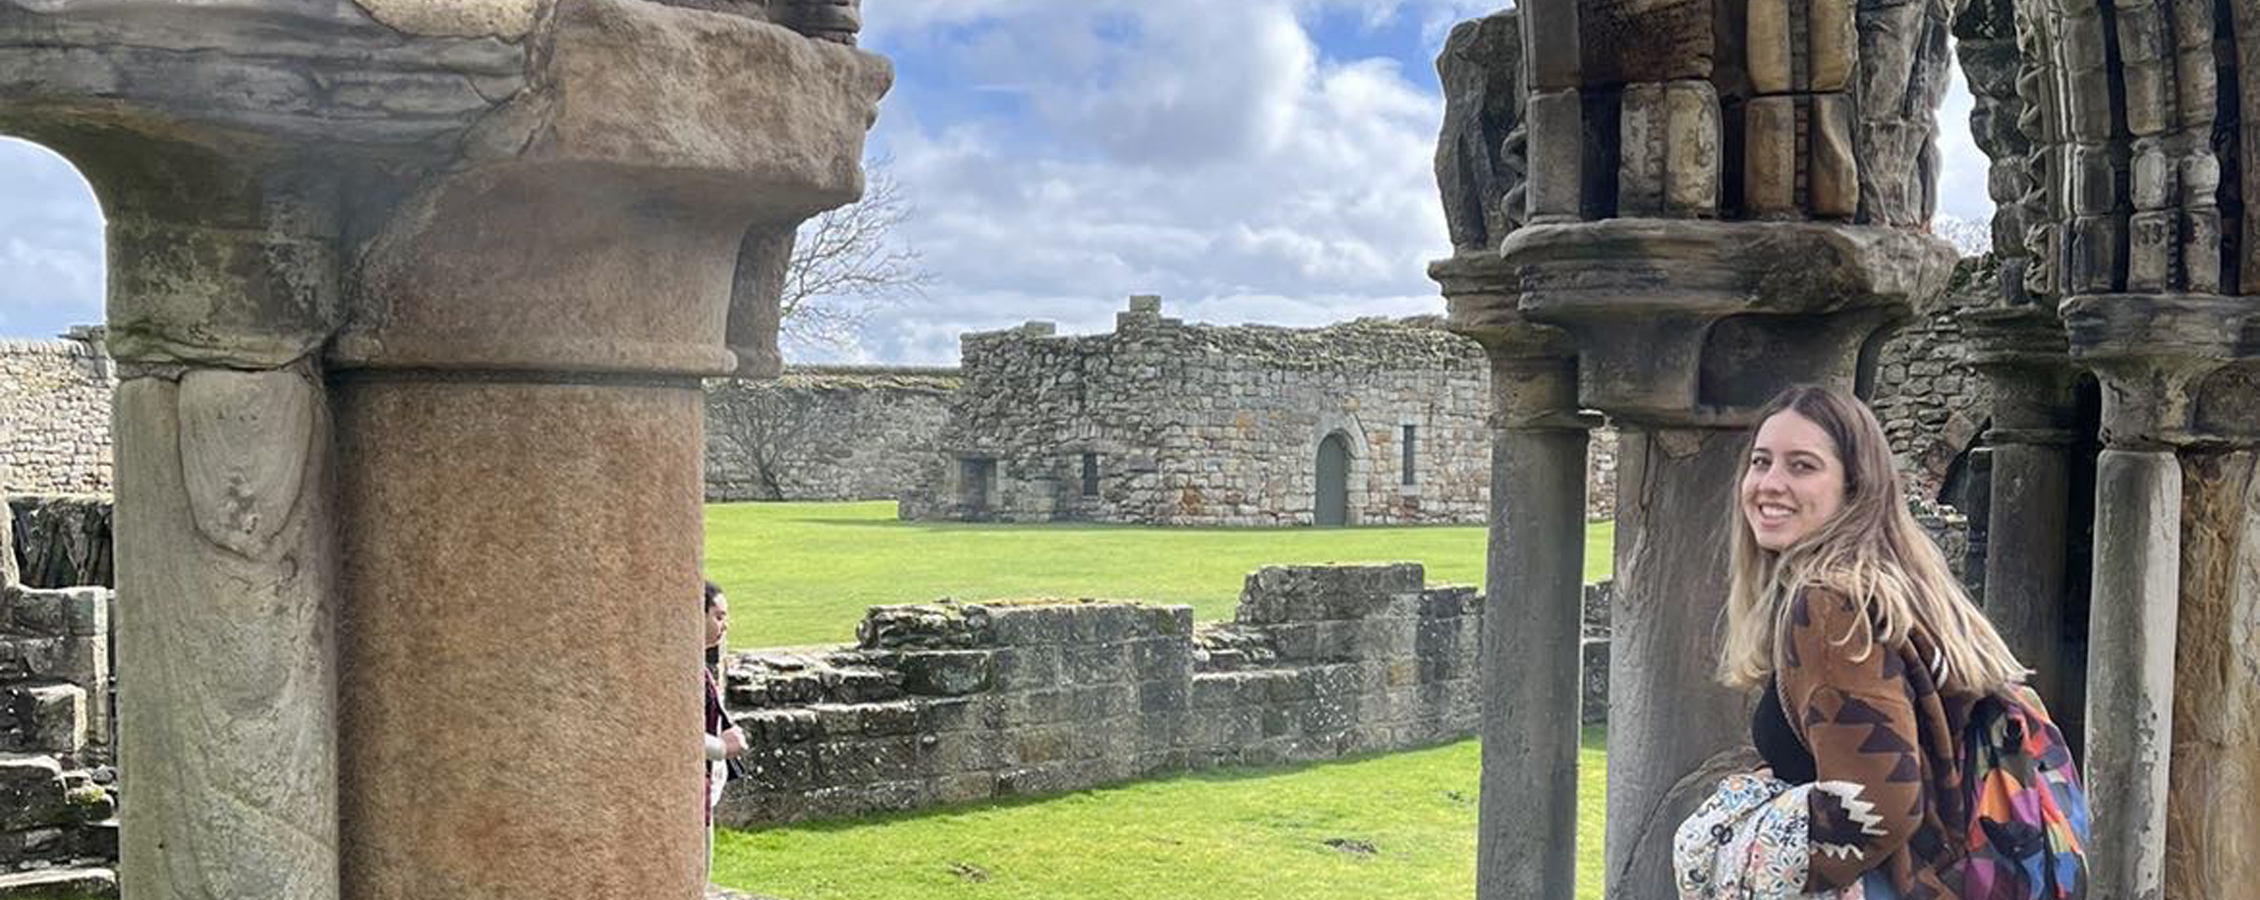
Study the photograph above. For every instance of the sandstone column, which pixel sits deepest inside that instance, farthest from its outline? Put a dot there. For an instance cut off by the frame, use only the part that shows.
(1533, 582)
(2168, 638)
(1683, 329)
(426, 289)
(226, 559)
(1676, 161)
(2022, 354)
(522, 440)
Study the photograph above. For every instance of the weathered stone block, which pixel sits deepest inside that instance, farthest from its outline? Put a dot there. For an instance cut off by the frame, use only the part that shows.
(1553, 62)
(1104, 701)
(1641, 150)
(1692, 138)
(946, 673)
(2155, 181)
(2095, 180)
(1832, 171)
(1769, 157)
(28, 657)
(2152, 250)
(958, 752)
(1160, 698)
(1557, 155)
(32, 793)
(2201, 250)
(58, 612)
(962, 788)
(782, 768)
(54, 718)
(771, 727)
(2095, 254)
(1633, 40)
(1832, 51)
(59, 884)
(2144, 70)
(1766, 36)
(1213, 692)
(1100, 664)
(1026, 666)
(862, 762)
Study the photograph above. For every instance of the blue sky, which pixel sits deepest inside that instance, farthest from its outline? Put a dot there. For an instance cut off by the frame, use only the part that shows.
(1261, 160)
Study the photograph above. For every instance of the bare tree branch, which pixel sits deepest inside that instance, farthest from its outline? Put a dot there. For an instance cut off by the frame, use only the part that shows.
(848, 262)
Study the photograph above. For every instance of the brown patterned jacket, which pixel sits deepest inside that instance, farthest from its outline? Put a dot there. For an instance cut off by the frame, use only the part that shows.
(1888, 789)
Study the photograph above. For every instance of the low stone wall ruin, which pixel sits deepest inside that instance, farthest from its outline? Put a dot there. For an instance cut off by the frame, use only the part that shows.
(58, 792)
(949, 703)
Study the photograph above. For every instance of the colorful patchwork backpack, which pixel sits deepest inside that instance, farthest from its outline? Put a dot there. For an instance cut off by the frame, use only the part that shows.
(2028, 814)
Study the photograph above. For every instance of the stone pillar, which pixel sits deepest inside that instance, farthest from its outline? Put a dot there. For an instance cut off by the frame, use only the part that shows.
(2131, 666)
(1683, 329)
(498, 243)
(2022, 354)
(224, 529)
(1526, 846)
(2167, 554)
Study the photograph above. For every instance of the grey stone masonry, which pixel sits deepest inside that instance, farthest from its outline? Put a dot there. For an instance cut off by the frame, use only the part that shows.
(823, 432)
(58, 794)
(61, 541)
(55, 414)
(947, 702)
(1166, 423)
(1933, 406)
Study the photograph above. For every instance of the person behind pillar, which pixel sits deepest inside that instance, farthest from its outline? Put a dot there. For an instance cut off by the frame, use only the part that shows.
(724, 741)
(1868, 653)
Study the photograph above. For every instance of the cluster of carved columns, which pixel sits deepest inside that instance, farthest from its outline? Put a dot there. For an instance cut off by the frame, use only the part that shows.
(2125, 557)
(1704, 223)
(411, 303)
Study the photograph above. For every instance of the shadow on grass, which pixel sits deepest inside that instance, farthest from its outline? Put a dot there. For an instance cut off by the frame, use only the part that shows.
(1592, 738)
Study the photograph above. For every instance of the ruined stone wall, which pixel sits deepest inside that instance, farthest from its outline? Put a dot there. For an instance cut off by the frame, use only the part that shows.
(61, 541)
(1204, 425)
(823, 433)
(55, 416)
(952, 703)
(1933, 406)
(57, 790)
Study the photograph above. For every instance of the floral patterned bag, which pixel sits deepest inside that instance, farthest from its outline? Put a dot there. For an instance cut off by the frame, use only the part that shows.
(1748, 842)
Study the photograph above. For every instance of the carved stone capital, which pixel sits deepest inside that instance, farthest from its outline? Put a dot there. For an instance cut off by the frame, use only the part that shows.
(2024, 357)
(1681, 323)
(495, 184)
(2175, 367)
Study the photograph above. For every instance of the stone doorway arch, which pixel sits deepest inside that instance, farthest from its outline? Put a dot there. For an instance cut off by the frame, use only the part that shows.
(1330, 502)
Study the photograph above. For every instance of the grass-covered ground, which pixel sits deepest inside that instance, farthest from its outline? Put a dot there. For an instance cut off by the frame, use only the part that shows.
(1403, 826)
(801, 573)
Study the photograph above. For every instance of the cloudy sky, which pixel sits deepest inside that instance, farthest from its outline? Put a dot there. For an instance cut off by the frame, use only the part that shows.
(1262, 160)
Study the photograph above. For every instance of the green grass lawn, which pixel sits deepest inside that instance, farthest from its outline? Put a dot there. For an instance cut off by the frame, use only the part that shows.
(801, 573)
(1220, 835)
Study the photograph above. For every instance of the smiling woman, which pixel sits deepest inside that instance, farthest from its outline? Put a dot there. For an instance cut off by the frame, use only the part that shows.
(50, 244)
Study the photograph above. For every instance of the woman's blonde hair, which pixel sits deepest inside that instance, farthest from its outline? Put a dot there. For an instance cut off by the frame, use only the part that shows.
(1870, 551)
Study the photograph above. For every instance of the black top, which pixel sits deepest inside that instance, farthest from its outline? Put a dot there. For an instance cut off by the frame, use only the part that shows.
(1777, 742)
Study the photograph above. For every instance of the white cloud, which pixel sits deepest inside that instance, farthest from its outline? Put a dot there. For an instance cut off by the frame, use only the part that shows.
(50, 244)
(1210, 153)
